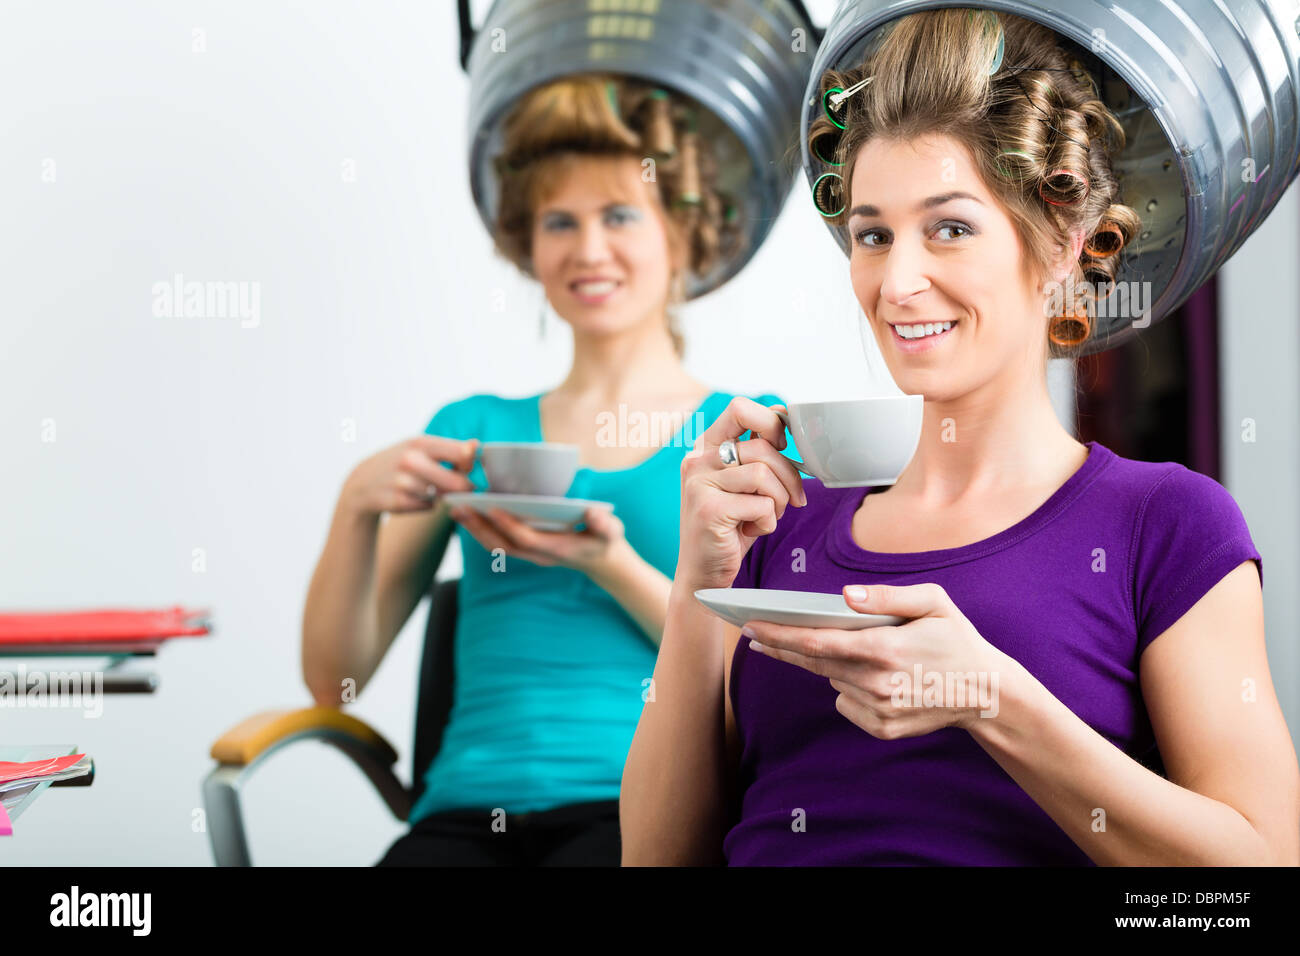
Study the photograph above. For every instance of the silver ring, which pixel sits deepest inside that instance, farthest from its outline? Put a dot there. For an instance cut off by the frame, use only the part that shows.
(430, 491)
(729, 453)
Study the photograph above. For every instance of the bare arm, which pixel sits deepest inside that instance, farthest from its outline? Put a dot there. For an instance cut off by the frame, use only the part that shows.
(639, 587)
(673, 805)
(385, 543)
(1233, 793)
(370, 577)
(338, 621)
(677, 797)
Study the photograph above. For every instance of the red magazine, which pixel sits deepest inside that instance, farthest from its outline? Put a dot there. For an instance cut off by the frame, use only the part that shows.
(33, 769)
(80, 627)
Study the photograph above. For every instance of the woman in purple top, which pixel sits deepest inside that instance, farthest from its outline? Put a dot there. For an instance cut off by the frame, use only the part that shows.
(1104, 615)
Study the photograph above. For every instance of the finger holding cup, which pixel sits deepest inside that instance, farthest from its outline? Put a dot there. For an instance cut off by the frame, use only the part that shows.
(733, 491)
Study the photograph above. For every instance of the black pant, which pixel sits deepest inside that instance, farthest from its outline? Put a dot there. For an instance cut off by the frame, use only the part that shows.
(579, 834)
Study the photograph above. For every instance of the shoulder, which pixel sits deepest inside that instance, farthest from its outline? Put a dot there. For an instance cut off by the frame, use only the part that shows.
(1178, 492)
(462, 417)
(1188, 532)
(1166, 497)
(1184, 522)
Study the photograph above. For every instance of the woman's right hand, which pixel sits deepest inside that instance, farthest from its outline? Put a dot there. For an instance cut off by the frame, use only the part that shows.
(726, 507)
(407, 476)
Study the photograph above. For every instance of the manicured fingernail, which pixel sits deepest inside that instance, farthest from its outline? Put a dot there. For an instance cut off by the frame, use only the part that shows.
(755, 646)
(856, 592)
(746, 631)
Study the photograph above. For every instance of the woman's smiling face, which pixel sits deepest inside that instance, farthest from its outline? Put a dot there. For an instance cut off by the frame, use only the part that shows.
(600, 245)
(931, 245)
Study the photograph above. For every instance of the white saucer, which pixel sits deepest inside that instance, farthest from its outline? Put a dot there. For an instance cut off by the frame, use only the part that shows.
(797, 608)
(543, 512)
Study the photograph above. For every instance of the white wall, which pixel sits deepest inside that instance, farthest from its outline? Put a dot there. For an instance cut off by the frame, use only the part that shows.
(174, 434)
(1259, 365)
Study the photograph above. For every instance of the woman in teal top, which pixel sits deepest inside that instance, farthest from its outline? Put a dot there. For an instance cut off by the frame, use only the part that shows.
(556, 633)
(551, 671)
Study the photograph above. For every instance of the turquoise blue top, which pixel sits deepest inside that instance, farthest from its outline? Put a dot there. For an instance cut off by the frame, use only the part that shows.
(550, 669)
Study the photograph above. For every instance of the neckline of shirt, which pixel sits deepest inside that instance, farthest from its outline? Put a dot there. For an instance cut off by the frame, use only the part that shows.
(847, 553)
(675, 442)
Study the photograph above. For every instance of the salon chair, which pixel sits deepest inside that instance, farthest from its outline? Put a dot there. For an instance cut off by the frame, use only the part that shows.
(249, 744)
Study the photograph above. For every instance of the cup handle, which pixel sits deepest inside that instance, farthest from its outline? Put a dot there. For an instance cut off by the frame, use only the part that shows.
(799, 465)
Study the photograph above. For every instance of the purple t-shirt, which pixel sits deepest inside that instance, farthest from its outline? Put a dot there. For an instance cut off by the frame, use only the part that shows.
(1075, 592)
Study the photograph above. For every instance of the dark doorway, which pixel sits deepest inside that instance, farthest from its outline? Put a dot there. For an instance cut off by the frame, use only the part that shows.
(1156, 397)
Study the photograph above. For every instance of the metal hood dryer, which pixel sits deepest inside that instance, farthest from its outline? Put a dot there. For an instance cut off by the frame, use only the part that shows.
(1206, 93)
(743, 64)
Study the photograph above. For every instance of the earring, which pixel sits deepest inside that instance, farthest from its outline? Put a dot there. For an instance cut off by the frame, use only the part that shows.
(541, 321)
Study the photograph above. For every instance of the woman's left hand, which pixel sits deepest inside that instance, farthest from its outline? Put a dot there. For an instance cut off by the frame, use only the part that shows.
(588, 551)
(876, 669)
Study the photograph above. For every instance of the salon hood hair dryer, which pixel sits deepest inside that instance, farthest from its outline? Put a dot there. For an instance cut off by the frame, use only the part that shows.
(744, 63)
(1207, 94)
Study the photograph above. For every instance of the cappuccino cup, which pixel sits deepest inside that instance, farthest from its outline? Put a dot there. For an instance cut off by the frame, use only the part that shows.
(529, 468)
(860, 442)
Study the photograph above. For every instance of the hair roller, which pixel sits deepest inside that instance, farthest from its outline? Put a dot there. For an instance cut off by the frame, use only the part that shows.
(1008, 167)
(828, 194)
(829, 107)
(1068, 331)
(991, 23)
(659, 136)
(1065, 183)
(688, 193)
(706, 244)
(708, 165)
(1071, 327)
(824, 145)
(1105, 242)
(712, 206)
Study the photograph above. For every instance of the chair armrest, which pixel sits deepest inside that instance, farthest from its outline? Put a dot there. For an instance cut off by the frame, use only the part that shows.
(249, 739)
(241, 749)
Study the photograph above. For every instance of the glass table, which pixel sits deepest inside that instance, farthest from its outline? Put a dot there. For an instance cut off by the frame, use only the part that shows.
(18, 799)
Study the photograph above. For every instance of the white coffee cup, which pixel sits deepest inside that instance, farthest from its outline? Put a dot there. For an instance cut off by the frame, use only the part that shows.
(856, 443)
(529, 468)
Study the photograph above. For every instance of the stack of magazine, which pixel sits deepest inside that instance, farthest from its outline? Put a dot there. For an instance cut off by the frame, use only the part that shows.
(17, 780)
